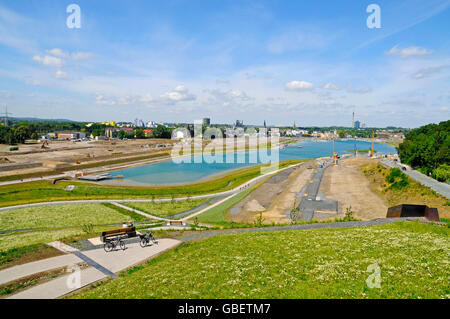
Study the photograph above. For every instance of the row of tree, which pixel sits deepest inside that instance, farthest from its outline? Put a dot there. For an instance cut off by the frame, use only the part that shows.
(17, 132)
(427, 149)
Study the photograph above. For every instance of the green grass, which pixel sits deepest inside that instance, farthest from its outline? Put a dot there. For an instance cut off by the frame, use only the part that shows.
(29, 253)
(56, 222)
(19, 240)
(134, 216)
(322, 263)
(59, 216)
(166, 209)
(217, 215)
(40, 191)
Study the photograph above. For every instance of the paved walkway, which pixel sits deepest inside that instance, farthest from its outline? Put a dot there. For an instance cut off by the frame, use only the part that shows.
(139, 212)
(310, 203)
(25, 270)
(103, 264)
(438, 187)
(231, 192)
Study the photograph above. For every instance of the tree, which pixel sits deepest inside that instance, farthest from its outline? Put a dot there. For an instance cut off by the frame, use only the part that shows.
(162, 132)
(140, 133)
(427, 148)
(21, 134)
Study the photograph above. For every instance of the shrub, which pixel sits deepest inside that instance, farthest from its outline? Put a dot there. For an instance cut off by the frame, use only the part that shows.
(442, 173)
(397, 179)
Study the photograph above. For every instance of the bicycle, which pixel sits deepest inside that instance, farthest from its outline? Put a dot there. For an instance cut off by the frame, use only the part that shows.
(111, 244)
(146, 238)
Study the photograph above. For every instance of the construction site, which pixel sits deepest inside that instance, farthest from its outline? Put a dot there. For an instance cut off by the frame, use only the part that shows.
(50, 156)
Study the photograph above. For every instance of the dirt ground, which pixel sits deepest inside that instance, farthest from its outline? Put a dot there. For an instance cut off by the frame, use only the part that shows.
(274, 199)
(73, 153)
(346, 184)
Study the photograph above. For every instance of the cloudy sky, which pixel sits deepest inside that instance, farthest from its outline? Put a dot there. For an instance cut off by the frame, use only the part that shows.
(312, 62)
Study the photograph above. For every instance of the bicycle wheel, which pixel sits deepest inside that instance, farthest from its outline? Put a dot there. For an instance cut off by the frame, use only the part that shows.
(108, 247)
(122, 245)
(143, 242)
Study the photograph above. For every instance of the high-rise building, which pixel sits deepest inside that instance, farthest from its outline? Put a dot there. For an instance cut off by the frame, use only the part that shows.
(357, 124)
(239, 123)
(206, 121)
(353, 120)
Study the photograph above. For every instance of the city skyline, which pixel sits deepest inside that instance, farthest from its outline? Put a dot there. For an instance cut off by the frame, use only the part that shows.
(253, 61)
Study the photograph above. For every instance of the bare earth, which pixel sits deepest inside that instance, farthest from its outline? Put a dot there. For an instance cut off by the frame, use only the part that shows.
(69, 153)
(274, 199)
(346, 184)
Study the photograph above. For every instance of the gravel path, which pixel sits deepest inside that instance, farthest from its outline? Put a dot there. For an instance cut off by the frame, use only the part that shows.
(211, 233)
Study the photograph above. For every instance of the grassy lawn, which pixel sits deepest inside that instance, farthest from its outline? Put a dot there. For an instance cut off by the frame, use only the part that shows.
(322, 263)
(217, 215)
(39, 191)
(19, 240)
(412, 193)
(59, 216)
(57, 222)
(25, 254)
(166, 209)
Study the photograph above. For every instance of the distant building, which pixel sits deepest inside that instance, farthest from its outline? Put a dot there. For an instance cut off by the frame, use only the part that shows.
(239, 123)
(70, 135)
(357, 124)
(206, 121)
(151, 124)
(148, 132)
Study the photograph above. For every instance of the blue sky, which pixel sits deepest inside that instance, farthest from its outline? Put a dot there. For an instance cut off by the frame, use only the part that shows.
(312, 62)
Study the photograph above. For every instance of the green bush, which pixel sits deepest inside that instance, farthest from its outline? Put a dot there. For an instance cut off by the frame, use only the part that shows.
(442, 173)
(397, 179)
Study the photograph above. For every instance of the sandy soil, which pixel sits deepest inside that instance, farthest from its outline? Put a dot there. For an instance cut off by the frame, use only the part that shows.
(274, 199)
(73, 153)
(346, 184)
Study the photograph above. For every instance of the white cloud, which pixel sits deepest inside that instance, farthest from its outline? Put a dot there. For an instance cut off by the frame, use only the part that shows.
(180, 93)
(100, 99)
(331, 86)
(299, 86)
(57, 57)
(237, 94)
(422, 73)
(408, 52)
(48, 60)
(57, 53)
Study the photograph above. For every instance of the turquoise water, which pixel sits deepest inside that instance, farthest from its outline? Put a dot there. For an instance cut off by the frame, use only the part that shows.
(167, 173)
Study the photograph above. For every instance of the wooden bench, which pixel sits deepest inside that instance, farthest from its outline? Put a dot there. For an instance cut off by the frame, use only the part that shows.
(128, 231)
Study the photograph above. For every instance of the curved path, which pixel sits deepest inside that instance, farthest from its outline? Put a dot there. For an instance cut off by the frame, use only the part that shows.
(116, 202)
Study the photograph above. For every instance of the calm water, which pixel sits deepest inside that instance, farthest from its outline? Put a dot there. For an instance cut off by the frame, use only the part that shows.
(166, 173)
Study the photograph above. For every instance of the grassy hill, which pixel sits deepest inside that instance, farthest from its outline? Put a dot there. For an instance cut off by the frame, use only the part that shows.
(325, 263)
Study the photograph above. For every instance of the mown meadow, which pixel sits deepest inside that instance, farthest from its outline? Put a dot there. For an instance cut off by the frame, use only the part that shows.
(323, 263)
